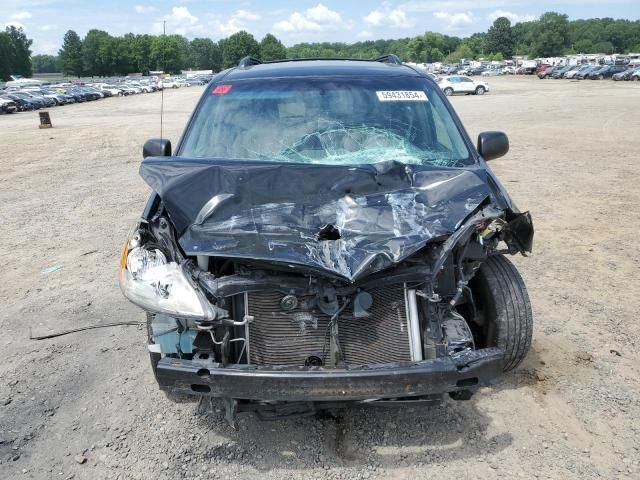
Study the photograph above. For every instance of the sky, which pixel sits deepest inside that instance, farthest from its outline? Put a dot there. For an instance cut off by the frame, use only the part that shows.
(46, 21)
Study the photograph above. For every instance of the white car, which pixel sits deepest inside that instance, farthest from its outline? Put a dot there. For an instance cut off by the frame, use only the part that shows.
(452, 84)
(168, 83)
(112, 89)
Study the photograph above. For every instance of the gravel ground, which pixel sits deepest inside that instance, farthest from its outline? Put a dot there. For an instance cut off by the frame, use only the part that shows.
(86, 406)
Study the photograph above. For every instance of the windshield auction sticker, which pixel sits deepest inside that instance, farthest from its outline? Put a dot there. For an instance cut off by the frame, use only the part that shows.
(401, 96)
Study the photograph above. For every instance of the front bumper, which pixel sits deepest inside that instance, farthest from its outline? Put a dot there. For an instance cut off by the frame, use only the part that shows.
(315, 384)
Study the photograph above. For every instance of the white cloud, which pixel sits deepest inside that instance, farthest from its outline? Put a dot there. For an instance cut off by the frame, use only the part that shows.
(144, 8)
(396, 18)
(181, 21)
(239, 20)
(365, 34)
(314, 19)
(322, 14)
(18, 16)
(375, 18)
(453, 21)
(183, 14)
(514, 17)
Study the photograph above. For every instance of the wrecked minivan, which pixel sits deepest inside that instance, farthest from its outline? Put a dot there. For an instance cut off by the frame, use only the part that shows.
(326, 234)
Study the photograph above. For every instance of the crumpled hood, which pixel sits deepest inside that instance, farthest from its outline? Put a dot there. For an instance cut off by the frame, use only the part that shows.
(269, 211)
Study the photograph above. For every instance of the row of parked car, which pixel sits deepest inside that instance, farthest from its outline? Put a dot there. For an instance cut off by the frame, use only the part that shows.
(468, 70)
(592, 72)
(34, 97)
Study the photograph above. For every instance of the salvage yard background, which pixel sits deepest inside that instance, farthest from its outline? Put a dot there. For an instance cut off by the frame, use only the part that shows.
(86, 405)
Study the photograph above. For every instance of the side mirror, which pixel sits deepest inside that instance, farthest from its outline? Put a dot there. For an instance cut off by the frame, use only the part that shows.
(156, 147)
(492, 145)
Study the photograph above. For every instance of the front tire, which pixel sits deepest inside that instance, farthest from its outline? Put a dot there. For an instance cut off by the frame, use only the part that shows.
(502, 301)
(480, 90)
(448, 91)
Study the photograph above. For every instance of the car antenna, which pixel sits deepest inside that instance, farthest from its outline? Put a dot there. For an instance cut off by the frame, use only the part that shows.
(164, 34)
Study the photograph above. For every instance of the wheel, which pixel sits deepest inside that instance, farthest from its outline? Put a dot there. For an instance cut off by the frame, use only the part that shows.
(448, 91)
(155, 358)
(480, 90)
(503, 311)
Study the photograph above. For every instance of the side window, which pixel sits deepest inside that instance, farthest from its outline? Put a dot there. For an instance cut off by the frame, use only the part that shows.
(464, 79)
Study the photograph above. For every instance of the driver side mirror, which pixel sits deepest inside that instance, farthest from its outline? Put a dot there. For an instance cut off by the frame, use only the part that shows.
(156, 147)
(492, 145)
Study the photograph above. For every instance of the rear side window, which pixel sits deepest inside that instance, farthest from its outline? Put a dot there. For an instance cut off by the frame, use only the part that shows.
(326, 121)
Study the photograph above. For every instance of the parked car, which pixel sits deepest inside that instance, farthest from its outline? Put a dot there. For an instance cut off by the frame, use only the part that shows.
(546, 73)
(510, 70)
(47, 101)
(476, 70)
(77, 96)
(625, 74)
(169, 83)
(453, 84)
(144, 88)
(491, 72)
(559, 72)
(24, 104)
(114, 90)
(36, 103)
(578, 69)
(541, 68)
(635, 75)
(606, 72)
(7, 105)
(60, 98)
(584, 73)
(288, 265)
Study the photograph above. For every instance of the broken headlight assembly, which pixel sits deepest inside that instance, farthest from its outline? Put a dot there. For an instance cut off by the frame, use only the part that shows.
(160, 286)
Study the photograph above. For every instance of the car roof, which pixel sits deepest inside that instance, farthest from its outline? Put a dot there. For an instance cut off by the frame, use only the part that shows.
(316, 68)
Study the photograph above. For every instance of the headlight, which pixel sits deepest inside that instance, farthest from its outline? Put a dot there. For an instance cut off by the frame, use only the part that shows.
(158, 286)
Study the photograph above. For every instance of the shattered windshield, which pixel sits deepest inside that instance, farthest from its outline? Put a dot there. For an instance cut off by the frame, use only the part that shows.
(341, 121)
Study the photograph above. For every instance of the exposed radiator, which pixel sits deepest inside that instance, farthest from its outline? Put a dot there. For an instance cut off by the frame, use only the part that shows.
(277, 337)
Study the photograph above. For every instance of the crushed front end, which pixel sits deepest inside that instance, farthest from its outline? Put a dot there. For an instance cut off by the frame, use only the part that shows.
(337, 285)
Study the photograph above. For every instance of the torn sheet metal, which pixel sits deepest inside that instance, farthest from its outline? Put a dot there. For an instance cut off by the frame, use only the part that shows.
(259, 210)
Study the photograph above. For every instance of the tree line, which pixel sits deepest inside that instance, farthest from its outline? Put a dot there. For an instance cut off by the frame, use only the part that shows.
(100, 54)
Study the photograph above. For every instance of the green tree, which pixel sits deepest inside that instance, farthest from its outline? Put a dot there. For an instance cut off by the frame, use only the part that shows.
(142, 53)
(271, 48)
(97, 53)
(21, 48)
(71, 54)
(170, 53)
(204, 54)
(463, 52)
(550, 35)
(45, 63)
(237, 46)
(6, 56)
(499, 37)
(417, 50)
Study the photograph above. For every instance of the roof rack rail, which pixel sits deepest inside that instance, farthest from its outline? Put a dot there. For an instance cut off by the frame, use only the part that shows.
(248, 61)
(389, 58)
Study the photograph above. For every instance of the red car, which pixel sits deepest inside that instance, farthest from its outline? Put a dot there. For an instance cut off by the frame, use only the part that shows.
(542, 67)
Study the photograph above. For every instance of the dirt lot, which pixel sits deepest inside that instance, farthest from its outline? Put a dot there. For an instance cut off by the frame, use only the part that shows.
(69, 195)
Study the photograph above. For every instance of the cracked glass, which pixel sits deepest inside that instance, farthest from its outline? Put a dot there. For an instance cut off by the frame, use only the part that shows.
(334, 121)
